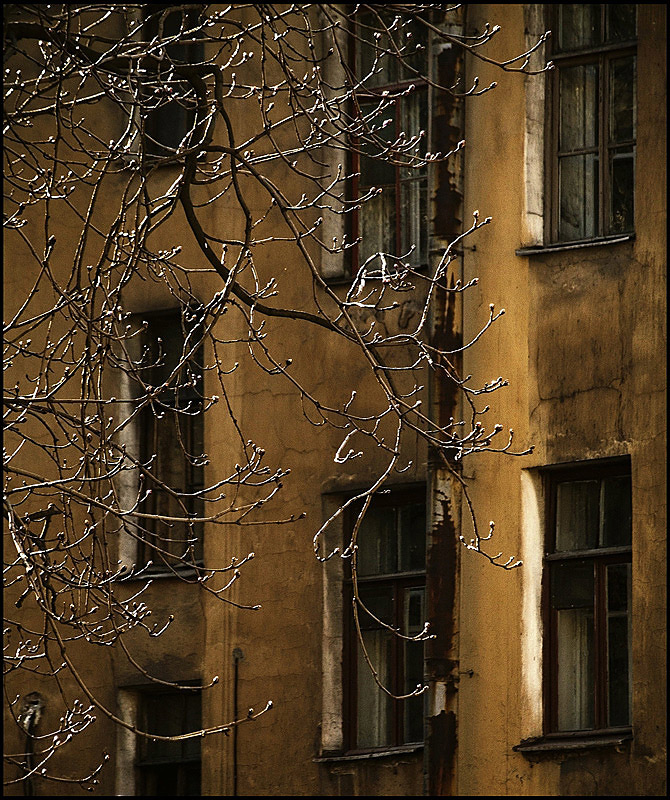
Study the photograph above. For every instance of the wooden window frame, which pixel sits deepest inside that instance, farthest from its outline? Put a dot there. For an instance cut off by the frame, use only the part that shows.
(398, 582)
(601, 558)
(144, 763)
(161, 139)
(371, 94)
(145, 551)
(600, 55)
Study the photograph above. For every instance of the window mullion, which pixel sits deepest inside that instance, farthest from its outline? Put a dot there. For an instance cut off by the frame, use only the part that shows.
(350, 663)
(553, 670)
(602, 146)
(555, 139)
(604, 181)
(600, 624)
(396, 667)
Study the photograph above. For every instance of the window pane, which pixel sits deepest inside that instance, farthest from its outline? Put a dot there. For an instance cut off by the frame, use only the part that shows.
(164, 345)
(192, 722)
(167, 123)
(578, 26)
(414, 225)
(572, 584)
(162, 715)
(575, 669)
(414, 120)
(619, 643)
(415, 63)
(622, 179)
(377, 226)
(413, 664)
(162, 341)
(379, 601)
(577, 515)
(170, 714)
(414, 611)
(166, 126)
(377, 542)
(621, 22)
(578, 197)
(376, 171)
(161, 445)
(191, 780)
(414, 190)
(572, 587)
(170, 780)
(412, 533)
(368, 47)
(578, 87)
(375, 710)
(377, 216)
(160, 781)
(589, 668)
(412, 36)
(622, 100)
(617, 512)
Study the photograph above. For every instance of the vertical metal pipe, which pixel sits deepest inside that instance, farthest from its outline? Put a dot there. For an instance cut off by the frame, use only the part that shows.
(238, 655)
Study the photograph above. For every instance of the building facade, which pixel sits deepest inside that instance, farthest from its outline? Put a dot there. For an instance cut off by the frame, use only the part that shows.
(544, 679)
(579, 718)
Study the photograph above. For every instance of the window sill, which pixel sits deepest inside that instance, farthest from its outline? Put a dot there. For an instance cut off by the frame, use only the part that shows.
(570, 742)
(390, 752)
(181, 571)
(537, 250)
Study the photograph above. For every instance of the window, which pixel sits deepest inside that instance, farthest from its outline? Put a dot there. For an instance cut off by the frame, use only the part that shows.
(169, 768)
(588, 598)
(396, 219)
(594, 121)
(168, 122)
(171, 438)
(391, 583)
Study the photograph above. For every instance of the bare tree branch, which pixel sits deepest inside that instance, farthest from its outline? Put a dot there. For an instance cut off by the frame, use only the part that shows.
(272, 110)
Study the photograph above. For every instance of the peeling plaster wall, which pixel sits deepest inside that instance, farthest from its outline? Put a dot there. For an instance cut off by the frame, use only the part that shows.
(582, 343)
(583, 346)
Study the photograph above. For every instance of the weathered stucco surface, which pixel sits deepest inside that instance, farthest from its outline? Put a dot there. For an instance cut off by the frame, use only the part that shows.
(582, 344)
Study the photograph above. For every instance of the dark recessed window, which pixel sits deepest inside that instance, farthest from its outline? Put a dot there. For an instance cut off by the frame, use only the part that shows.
(393, 100)
(391, 584)
(588, 598)
(169, 101)
(165, 768)
(593, 131)
(171, 439)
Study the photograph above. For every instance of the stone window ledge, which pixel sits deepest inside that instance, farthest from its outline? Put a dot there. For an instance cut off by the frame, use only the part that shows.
(153, 572)
(391, 752)
(565, 743)
(538, 250)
